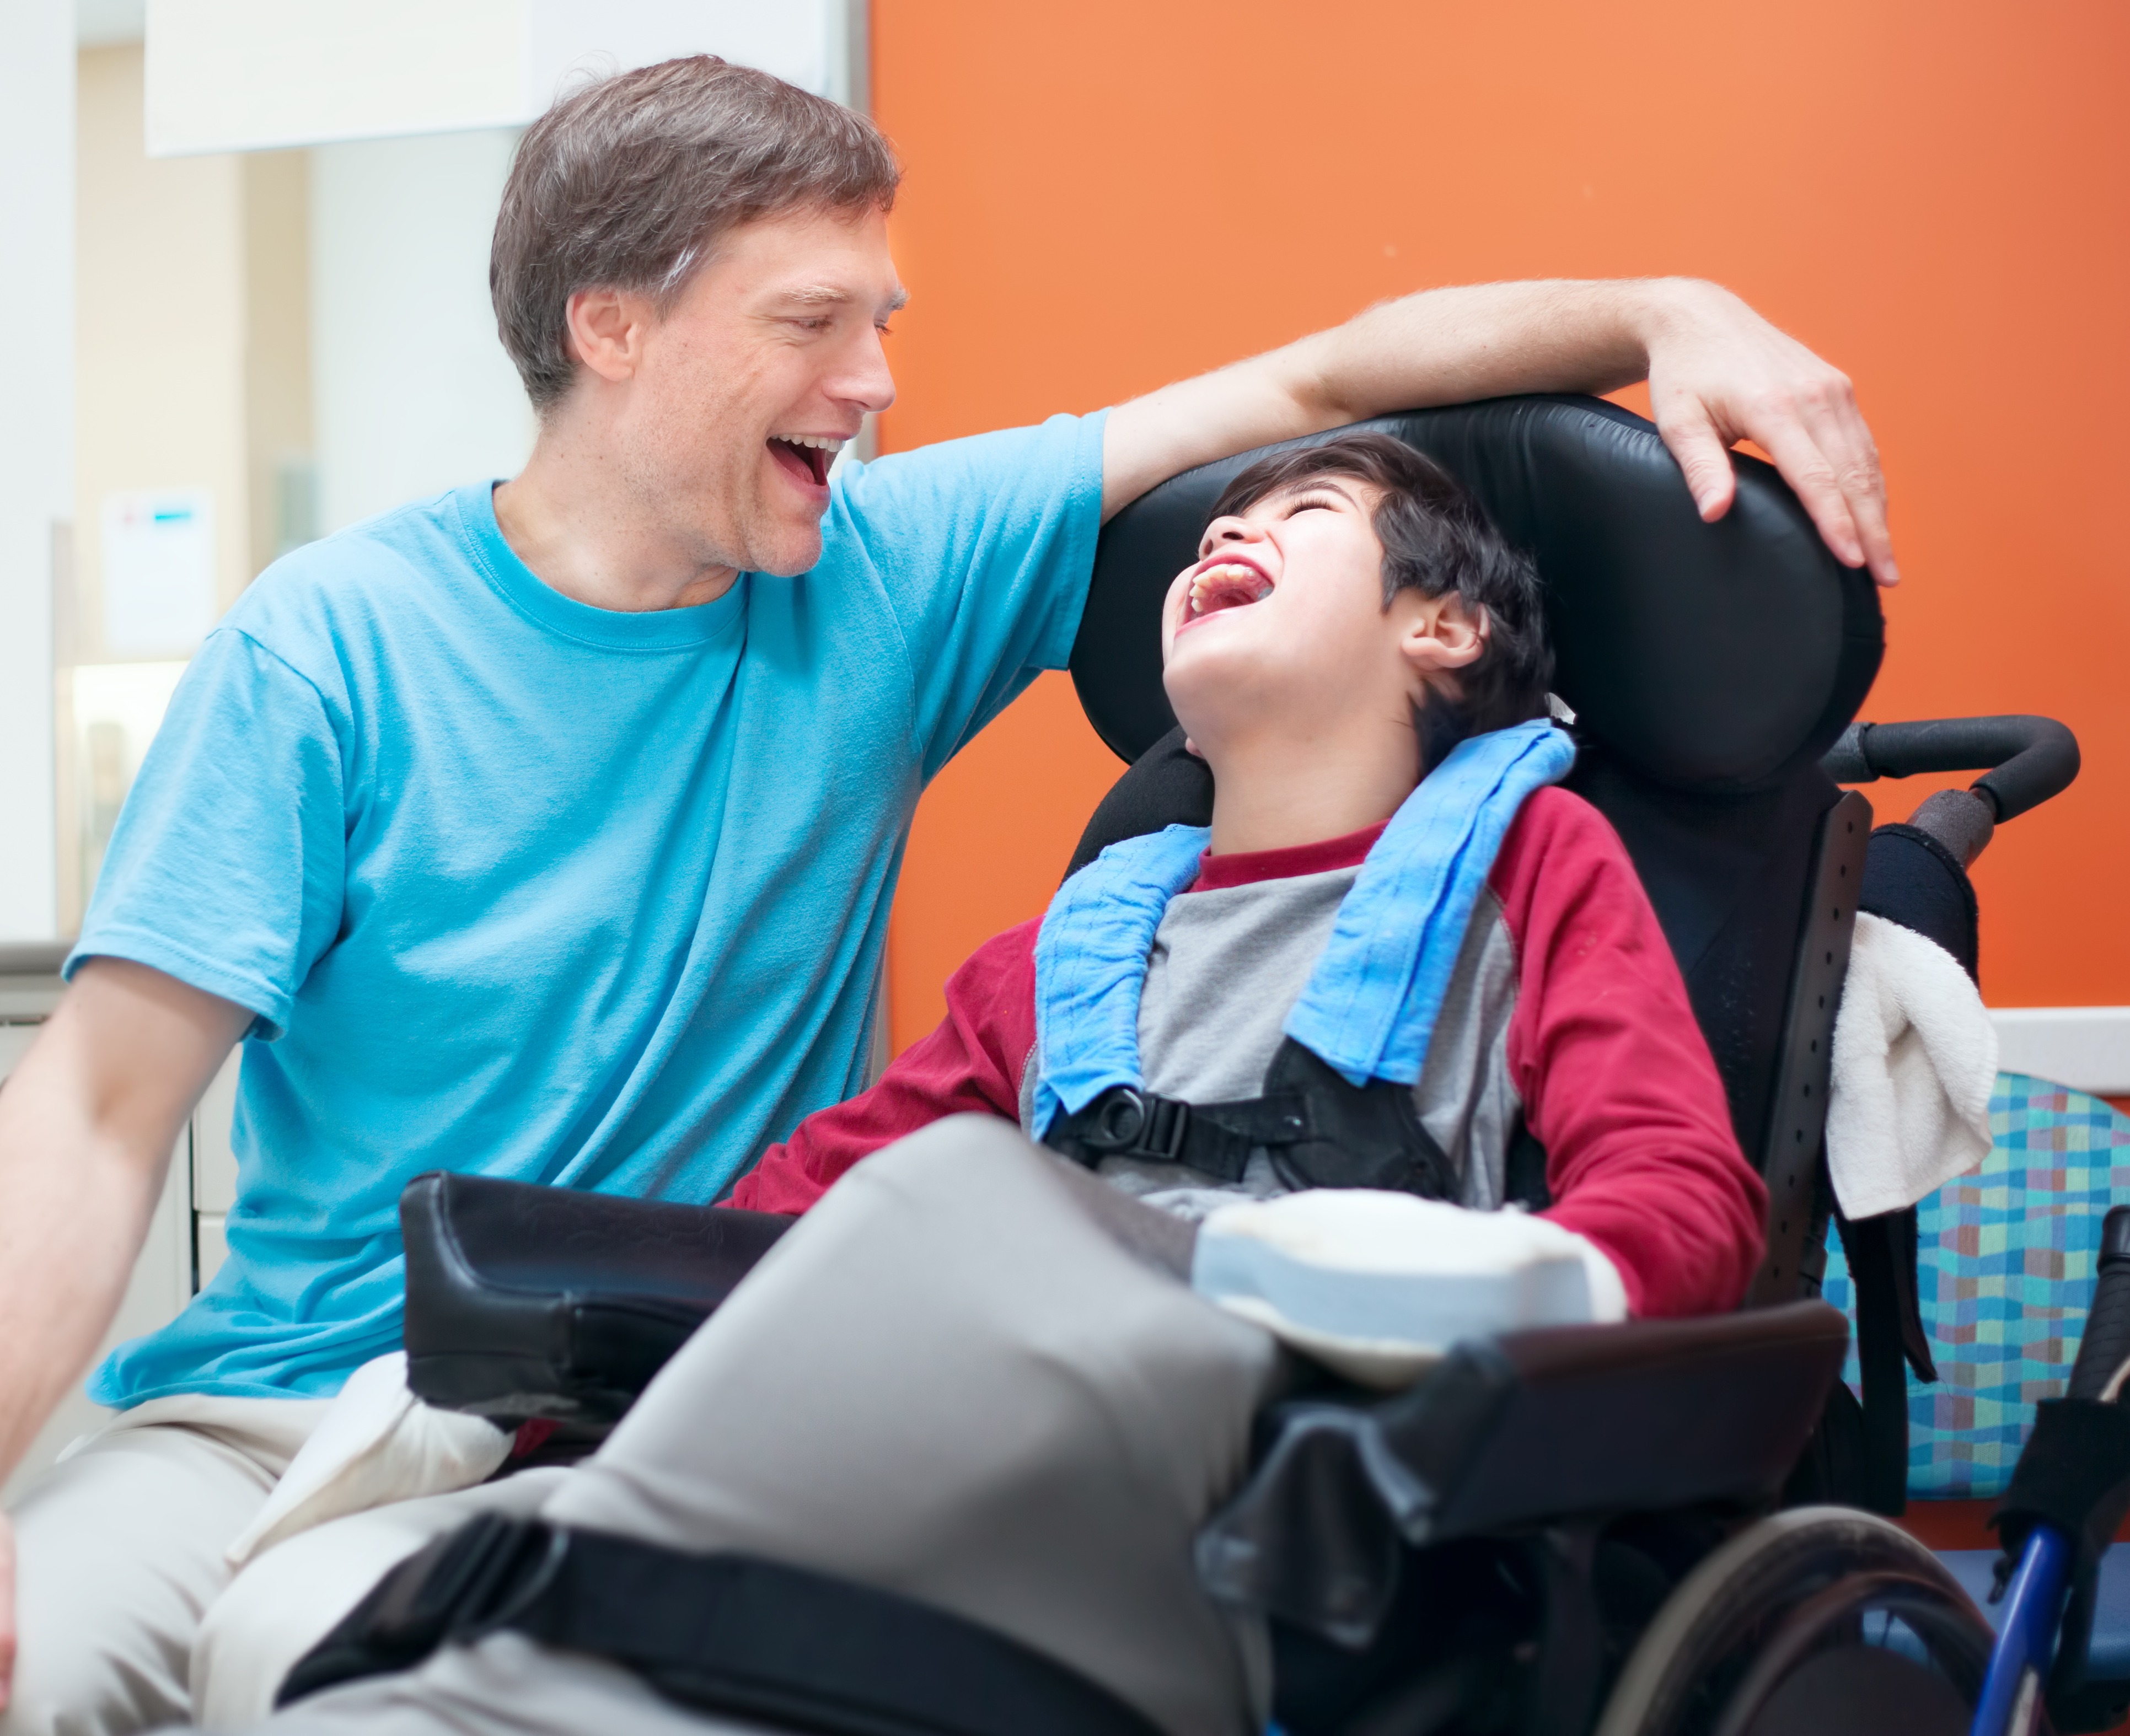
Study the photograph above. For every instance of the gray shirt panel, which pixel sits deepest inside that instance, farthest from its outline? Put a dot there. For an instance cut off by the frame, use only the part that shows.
(1466, 1097)
(1226, 967)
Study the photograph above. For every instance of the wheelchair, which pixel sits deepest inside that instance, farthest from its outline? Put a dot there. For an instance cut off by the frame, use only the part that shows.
(1658, 1527)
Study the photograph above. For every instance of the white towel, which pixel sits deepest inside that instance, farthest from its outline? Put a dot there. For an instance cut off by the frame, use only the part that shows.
(1915, 1059)
(376, 1443)
(1379, 1285)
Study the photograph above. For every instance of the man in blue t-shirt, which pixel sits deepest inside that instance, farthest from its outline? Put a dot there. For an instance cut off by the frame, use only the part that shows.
(549, 828)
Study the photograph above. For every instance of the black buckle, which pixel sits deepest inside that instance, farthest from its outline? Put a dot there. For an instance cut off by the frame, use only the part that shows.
(1133, 1123)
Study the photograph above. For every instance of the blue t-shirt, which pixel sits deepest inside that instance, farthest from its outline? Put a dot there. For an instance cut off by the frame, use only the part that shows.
(522, 887)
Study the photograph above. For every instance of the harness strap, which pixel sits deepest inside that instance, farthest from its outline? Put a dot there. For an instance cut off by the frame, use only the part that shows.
(728, 1634)
(1318, 1129)
(1215, 1138)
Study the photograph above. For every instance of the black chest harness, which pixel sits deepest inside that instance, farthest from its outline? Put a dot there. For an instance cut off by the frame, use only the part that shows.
(1317, 1129)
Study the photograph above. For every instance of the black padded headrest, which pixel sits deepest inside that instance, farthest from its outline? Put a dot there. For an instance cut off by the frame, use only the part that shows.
(1710, 667)
(1705, 657)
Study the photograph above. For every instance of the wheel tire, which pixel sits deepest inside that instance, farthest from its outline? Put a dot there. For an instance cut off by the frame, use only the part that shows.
(1688, 1671)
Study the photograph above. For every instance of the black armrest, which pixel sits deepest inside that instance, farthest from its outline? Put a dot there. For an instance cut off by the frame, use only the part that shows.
(1515, 1433)
(526, 1301)
(1654, 1413)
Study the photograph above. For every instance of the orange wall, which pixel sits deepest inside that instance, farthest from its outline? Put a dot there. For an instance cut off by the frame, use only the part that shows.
(1936, 193)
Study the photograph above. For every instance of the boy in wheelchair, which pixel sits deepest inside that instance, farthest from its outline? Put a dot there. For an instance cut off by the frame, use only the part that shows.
(1352, 618)
(974, 1376)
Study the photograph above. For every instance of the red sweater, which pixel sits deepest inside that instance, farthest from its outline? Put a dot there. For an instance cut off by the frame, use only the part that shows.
(1616, 1082)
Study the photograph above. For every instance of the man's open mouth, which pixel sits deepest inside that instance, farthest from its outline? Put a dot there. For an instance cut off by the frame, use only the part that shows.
(1231, 584)
(806, 456)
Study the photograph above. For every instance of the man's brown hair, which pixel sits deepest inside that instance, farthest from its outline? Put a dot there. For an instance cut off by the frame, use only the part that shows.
(629, 183)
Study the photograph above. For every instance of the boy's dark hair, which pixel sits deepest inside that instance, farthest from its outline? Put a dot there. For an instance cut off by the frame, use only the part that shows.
(1435, 540)
(629, 182)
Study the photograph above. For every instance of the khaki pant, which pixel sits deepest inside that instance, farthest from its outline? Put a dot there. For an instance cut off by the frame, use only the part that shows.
(118, 1556)
(130, 1619)
(287, 1599)
(954, 1379)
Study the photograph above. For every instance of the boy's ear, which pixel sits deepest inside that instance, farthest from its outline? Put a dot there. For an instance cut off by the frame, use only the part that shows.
(1441, 635)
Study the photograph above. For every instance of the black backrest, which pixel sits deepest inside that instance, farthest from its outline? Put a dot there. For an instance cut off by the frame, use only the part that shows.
(1709, 666)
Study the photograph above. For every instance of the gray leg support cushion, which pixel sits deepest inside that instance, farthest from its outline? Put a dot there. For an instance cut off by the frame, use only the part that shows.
(950, 1382)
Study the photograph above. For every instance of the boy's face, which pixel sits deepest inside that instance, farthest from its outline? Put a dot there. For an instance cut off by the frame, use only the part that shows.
(1280, 622)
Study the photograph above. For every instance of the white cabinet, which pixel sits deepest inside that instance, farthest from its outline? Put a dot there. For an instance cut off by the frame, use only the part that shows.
(183, 1235)
(214, 1170)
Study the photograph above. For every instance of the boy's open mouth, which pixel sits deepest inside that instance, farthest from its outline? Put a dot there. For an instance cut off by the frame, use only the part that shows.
(1228, 584)
(806, 456)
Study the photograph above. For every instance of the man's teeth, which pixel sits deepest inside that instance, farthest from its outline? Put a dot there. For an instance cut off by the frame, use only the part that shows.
(826, 442)
(1229, 573)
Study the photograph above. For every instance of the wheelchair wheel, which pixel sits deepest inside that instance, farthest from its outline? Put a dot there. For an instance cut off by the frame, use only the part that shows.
(1821, 1621)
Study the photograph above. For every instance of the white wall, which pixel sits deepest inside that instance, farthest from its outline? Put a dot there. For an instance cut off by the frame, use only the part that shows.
(36, 435)
(160, 302)
(412, 392)
(264, 74)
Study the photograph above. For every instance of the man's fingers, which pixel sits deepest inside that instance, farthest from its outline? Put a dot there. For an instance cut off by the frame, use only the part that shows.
(1806, 468)
(1867, 507)
(7, 1612)
(1828, 408)
(1703, 458)
(1855, 456)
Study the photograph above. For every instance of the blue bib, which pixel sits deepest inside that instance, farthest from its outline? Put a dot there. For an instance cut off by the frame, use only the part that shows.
(1369, 1007)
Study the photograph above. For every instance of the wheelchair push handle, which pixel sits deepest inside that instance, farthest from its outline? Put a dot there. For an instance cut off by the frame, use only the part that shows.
(2023, 761)
(2104, 1353)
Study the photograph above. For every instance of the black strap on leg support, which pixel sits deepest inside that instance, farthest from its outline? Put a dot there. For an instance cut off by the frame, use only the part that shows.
(1889, 1342)
(729, 1634)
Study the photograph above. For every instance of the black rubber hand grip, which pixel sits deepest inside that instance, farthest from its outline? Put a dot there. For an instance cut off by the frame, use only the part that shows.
(2024, 761)
(2105, 1348)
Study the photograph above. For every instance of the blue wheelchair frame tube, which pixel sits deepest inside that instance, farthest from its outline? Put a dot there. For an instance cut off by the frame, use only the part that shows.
(2027, 1636)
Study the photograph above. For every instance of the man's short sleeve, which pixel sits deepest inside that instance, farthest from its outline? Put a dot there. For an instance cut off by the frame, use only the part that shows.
(984, 546)
(226, 867)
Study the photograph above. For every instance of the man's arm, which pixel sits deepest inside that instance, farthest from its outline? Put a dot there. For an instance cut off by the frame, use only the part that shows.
(1718, 373)
(86, 1122)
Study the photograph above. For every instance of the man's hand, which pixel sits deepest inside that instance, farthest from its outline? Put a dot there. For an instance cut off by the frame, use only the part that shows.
(86, 1122)
(1717, 372)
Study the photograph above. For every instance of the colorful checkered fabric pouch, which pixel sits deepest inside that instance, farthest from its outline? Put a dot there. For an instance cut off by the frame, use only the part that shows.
(2005, 1267)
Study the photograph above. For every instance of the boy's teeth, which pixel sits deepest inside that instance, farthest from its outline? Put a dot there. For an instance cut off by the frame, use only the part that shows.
(1203, 582)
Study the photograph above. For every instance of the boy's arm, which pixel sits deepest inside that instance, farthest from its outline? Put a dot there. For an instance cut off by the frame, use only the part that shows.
(1617, 1079)
(1718, 373)
(971, 1064)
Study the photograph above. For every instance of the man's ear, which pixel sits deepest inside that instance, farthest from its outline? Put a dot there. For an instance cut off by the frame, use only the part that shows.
(607, 328)
(1441, 635)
